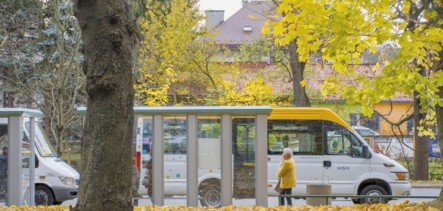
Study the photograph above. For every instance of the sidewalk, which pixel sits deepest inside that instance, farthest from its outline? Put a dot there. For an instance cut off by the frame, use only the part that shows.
(427, 185)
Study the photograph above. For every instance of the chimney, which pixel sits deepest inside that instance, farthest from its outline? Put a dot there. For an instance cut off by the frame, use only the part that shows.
(244, 2)
(214, 18)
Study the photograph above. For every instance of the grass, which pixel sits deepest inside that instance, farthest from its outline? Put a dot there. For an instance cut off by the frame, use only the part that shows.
(435, 169)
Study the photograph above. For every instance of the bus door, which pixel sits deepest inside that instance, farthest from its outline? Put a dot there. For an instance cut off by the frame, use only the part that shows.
(304, 138)
(243, 149)
(343, 161)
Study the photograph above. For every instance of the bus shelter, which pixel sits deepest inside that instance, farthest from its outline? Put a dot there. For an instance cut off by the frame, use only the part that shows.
(195, 117)
(176, 134)
(17, 185)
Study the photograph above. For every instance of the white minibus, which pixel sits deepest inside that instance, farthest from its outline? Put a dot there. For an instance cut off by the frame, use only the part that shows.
(55, 180)
(326, 150)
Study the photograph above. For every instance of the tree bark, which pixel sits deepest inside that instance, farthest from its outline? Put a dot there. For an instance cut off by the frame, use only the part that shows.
(300, 97)
(109, 41)
(421, 145)
(439, 109)
(439, 117)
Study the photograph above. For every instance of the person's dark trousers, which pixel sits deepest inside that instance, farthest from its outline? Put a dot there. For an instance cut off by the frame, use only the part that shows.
(288, 199)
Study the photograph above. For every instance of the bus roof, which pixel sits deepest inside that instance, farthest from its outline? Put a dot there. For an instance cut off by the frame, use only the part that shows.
(308, 113)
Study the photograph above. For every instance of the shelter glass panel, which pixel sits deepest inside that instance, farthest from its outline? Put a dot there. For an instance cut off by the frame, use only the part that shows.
(243, 148)
(209, 160)
(3, 160)
(175, 154)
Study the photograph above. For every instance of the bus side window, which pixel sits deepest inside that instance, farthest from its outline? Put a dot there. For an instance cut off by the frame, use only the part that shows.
(304, 137)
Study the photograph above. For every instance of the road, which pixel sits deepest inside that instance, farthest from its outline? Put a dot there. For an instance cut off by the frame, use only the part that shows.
(272, 201)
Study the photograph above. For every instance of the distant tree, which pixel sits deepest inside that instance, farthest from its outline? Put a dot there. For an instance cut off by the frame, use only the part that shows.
(20, 21)
(168, 29)
(343, 30)
(43, 63)
(109, 45)
(179, 57)
(290, 59)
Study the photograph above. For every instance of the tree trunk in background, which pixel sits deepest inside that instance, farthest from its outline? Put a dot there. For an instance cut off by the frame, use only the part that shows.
(439, 109)
(439, 117)
(109, 42)
(300, 97)
(8, 97)
(421, 145)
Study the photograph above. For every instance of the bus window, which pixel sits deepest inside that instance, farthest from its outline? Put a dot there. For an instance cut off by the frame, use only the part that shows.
(302, 136)
(209, 128)
(175, 136)
(342, 142)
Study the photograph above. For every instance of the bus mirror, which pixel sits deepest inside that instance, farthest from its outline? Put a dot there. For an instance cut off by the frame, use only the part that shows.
(365, 151)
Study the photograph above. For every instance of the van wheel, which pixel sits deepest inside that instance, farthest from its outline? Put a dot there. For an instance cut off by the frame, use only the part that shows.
(211, 196)
(43, 196)
(373, 190)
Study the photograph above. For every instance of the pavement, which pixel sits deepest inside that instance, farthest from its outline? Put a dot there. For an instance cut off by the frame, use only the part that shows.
(426, 185)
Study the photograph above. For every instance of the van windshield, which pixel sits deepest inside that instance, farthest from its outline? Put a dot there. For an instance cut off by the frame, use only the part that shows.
(43, 147)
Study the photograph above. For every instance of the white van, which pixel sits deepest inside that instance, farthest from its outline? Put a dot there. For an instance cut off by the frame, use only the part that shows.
(326, 150)
(55, 180)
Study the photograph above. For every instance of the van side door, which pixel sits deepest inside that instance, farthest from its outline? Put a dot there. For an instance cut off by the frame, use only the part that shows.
(344, 164)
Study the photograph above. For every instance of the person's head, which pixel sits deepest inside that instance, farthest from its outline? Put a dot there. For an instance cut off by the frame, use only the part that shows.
(287, 153)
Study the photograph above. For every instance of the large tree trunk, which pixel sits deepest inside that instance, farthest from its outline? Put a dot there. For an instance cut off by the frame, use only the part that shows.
(109, 40)
(300, 97)
(421, 145)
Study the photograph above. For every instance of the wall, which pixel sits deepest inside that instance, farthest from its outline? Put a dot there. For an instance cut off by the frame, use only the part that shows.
(398, 111)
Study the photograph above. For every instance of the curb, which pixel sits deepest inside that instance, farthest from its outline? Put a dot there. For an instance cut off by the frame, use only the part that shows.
(426, 185)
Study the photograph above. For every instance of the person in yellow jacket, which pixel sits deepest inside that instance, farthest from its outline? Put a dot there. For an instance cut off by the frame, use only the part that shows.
(286, 173)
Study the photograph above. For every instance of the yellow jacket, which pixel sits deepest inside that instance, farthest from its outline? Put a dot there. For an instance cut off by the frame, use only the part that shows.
(287, 174)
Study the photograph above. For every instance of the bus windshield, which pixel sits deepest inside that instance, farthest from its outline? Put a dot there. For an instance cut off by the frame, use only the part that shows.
(43, 147)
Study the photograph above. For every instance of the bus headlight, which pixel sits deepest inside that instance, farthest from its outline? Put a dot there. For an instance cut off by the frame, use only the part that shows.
(402, 175)
(67, 180)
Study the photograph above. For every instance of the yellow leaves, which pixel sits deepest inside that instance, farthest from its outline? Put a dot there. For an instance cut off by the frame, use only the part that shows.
(426, 125)
(266, 30)
(170, 31)
(405, 205)
(328, 87)
(303, 83)
(256, 92)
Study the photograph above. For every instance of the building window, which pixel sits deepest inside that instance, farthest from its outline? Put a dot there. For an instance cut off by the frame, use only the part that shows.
(247, 28)
(410, 126)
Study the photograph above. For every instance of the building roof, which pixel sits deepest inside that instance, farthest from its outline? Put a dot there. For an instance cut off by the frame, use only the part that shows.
(246, 24)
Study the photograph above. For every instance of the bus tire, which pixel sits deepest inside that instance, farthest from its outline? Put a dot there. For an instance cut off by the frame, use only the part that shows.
(43, 196)
(374, 190)
(211, 196)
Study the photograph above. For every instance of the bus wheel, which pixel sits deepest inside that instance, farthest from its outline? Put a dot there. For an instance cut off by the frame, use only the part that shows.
(43, 196)
(211, 196)
(373, 190)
